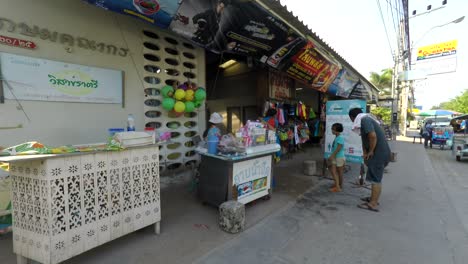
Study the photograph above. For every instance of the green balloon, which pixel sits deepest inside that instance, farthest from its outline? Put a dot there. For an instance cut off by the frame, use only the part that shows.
(168, 103)
(198, 104)
(189, 107)
(200, 94)
(167, 91)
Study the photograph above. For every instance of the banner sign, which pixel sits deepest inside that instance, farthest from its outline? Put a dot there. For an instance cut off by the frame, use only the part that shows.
(437, 65)
(312, 67)
(157, 12)
(280, 86)
(337, 112)
(343, 84)
(438, 50)
(27, 78)
(251, 178)
(236, 26)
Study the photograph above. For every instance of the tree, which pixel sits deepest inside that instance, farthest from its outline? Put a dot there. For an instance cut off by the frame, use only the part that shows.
(458, 104)
(385, 113)
(383, 81)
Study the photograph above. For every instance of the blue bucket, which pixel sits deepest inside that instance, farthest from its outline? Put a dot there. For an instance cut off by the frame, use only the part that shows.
(212, 143)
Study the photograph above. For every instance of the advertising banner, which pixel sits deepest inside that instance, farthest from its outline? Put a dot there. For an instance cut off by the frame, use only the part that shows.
(312, 67)
(337, 112)
(438, 65)
(157, 12)
(343, 84)
(438, 50)
(251, 178)
(236, 26)
(280, 86)
(27, 78)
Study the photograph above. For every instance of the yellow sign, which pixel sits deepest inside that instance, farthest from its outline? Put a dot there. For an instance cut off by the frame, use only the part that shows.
(438, 50)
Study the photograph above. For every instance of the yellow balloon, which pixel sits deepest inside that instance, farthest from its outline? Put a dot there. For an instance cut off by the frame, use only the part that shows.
(179, 107)
(189, 94)
(179, 94)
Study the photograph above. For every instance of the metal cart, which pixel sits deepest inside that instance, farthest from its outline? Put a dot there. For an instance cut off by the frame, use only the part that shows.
(440, 135)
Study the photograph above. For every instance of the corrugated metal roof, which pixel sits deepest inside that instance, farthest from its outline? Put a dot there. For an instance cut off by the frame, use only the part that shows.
(276, 7)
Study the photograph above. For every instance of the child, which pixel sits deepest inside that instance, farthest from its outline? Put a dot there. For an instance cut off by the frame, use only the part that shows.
(213, 130)
(337, 160)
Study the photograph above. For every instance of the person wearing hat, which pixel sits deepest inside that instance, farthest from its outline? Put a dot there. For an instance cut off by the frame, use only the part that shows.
(213, 129)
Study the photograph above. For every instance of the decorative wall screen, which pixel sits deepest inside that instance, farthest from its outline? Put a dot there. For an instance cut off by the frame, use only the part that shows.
(64, 206)
(168, 59)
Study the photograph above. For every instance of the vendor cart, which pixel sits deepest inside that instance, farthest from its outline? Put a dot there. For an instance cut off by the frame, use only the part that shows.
(243, 178)
(440, 135)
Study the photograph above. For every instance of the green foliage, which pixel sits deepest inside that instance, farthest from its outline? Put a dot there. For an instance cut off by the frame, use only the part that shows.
(385, 113)
(459, 103)
(382, 81)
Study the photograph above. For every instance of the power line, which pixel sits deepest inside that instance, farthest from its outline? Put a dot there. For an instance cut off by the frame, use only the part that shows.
(393, 17)
(385, 27)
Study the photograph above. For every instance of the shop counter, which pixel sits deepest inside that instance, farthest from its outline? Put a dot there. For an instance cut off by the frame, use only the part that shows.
(66, 204)
(243, 178)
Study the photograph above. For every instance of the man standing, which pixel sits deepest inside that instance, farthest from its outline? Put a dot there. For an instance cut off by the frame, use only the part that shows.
(427, 132)
(376, 154)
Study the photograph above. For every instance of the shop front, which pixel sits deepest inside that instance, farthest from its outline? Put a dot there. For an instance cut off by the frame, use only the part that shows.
(74, 73)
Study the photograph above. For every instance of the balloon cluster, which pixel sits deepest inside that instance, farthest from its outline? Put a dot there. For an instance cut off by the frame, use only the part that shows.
(185, 98)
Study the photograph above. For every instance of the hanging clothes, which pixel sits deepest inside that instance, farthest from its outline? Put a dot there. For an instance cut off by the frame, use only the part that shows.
(296, 135)
(280, 114)
(312, 114)
(266, 106)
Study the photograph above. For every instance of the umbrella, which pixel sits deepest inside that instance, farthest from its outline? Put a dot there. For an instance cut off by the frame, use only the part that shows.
(438, 112)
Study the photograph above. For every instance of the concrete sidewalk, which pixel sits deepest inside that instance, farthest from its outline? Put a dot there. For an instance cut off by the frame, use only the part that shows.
(416, 224)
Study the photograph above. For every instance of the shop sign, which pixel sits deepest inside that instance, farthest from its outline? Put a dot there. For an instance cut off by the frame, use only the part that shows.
(343, 84)
(20, 43)
(438, 50)
(337, 112)
(251, 178)
(312, 67)
(62, 38)
(235, 26)
(28, 78)
(280, 86)
(157, 12)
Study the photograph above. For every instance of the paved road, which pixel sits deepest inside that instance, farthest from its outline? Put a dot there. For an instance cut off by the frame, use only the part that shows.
(423, 219)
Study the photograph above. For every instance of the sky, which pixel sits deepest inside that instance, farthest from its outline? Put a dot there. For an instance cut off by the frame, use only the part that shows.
(355, 29)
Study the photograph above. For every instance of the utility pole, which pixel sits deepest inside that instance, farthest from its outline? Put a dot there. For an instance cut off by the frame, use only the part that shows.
(403, 55)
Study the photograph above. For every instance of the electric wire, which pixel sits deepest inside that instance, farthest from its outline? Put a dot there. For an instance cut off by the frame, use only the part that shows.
(385, 27)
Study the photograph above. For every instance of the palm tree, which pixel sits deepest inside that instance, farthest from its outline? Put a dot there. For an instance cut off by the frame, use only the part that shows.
(383, 81)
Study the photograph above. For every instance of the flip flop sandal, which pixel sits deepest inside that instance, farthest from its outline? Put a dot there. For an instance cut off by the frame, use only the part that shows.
(366, 206)
(367, 199)
(334, 189)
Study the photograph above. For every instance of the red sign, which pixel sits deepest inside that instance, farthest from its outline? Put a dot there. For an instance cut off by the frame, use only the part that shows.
(21, 43)
(313, 68)
(280, 86)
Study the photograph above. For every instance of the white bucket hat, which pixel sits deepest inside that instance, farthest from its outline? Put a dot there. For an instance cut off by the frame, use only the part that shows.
(216, 118)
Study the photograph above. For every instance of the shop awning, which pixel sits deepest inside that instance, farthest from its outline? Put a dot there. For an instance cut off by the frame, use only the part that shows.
(261, 29)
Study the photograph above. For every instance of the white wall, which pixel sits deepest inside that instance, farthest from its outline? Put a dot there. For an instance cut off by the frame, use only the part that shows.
(57, 123)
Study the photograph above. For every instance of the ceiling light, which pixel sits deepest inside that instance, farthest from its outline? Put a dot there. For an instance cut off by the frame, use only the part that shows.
(298, 89)
(228, 64)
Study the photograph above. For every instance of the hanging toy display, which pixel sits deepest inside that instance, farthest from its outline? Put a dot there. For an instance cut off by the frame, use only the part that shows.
(182, 98)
